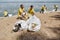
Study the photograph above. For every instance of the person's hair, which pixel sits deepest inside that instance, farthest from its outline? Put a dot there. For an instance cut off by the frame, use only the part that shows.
(21, 5)
(31, 6)
(44, 5)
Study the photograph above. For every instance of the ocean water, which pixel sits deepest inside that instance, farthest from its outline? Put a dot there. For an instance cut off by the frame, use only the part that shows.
(12, 8)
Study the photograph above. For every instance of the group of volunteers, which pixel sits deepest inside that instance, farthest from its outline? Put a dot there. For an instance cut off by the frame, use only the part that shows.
(30, 10)
(22, 13)
(32, 23)
(22, 10)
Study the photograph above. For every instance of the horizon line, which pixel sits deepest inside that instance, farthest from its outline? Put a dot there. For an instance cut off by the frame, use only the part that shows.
(32, 2)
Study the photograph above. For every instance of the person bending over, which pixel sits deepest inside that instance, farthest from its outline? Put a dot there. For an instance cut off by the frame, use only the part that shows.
(31, 11)
(5, 13)
(21, 12)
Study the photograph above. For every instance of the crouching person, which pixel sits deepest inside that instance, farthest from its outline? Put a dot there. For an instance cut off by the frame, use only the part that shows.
(5, 13)
(31, 11)
(21, 12)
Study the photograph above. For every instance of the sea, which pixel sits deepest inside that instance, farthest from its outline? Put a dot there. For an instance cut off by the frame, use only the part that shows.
(12, 7)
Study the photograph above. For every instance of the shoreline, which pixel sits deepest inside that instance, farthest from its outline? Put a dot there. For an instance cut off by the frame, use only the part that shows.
(36, 12)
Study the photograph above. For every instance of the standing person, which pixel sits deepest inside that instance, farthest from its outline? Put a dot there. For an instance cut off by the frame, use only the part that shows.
(43, 9)
(55, 7)
(5, 13)
(21, 11)
(31, 10)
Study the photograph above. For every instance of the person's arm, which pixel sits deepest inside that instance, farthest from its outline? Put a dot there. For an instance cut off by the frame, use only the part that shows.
(33, 11)
(23, 10)
(28, 11)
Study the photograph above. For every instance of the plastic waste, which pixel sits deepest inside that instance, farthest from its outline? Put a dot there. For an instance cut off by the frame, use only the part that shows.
(53, 10)
(44, 11)
(32, 24)
(9, 15)
(22, 27)
(33, 20)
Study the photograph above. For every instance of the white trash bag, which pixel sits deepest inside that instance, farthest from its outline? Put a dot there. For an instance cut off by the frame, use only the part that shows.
(33, 20)
(45, 11)
(20, 25)
(23, 13)
(9, 15)
(53, 10)
(28, 25)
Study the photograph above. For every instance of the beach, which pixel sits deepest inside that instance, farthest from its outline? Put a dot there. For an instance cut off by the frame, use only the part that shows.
(50, 28)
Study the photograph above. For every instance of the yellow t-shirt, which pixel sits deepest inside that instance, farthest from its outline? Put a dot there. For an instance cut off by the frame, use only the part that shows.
(31, 11)
(55, 6)
(44, 8)
(5, 13)
(20, 11)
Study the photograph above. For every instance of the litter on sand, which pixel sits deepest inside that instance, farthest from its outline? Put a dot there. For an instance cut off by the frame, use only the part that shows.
(32, 24)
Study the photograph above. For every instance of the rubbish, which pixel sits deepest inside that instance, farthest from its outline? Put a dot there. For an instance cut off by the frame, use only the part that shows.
(20, 25)
(23, 13)
(32, 24)
(9, 15)
(33, 20)
(44, 11)
(53, 10)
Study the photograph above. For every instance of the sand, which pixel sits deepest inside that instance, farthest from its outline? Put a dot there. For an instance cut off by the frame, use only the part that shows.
(50, 28)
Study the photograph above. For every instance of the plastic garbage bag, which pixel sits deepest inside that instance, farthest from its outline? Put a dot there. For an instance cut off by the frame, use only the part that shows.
(53, 10)
(23, 26)
(44, 11)
(32, 24)
(9, 15)
(23, 14)
(33, 20)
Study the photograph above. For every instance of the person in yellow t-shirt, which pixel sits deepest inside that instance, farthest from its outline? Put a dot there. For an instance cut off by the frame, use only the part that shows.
(55, 7)
(20, 11)
(5, 13)
(31, 10)
(43, 8)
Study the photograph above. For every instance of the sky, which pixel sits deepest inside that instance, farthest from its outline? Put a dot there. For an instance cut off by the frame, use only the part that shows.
(25, 0)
